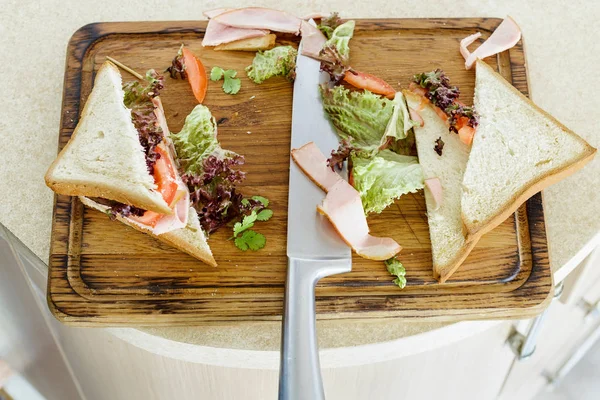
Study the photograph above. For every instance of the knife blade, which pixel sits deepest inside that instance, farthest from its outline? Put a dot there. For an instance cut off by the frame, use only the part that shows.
(314, 248)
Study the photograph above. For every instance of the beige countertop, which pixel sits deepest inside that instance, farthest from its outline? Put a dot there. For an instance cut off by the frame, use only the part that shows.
(562, 58)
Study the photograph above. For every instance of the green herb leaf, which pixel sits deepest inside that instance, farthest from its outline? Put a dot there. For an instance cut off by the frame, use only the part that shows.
(251, 240)
(247, 222)
(231, 85)
(264, 215)
(216, 73)
(396, 268)
(230, 73)
(245, 202)
(263, 200)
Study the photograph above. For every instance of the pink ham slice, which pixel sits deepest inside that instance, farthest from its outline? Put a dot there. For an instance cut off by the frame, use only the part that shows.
(466, 42)
(314, 165)
(316, 15)
(435, 188)
(260, 18)
(312, 39)
(213, 13)
(217, 33)
(179, 218)
(504, 37)
(342, 206)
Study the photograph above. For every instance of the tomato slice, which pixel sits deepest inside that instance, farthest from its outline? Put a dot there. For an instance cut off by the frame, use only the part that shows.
(164, 176)
(465, 134)
(150, 218)
(369, 82)
(196, 74)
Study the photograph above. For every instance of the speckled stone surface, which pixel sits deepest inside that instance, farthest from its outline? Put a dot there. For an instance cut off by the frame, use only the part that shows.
(563, 55)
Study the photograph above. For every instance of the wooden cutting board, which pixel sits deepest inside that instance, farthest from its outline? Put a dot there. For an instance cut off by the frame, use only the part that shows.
(104, 273)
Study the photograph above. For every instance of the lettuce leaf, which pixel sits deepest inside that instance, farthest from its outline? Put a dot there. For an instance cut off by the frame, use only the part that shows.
(359, 117)
(385, 177)
(280, 60)
(369, 122)
(396, 268)
(328, 24)
(197, 140)
(340, 38)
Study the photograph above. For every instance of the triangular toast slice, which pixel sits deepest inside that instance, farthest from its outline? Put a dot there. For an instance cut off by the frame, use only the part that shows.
(190, 240)
(517, 151)
(448, 236)
(104, 157)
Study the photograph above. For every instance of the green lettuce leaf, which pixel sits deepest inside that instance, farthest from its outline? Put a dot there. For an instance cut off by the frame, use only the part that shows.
(400, 123)
(385, 177)
(280, 60)
(340, 39)
(197, 140)
(328, 24)
(368, 120)
(359, 117)
(396, 268)
(400, 127)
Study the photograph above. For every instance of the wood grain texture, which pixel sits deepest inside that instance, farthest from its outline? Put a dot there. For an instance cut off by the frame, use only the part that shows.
(104, 273)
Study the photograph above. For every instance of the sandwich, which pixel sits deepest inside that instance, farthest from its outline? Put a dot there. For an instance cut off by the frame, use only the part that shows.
(518, 150)
(443, 159)
(120, 160)
(481, 163)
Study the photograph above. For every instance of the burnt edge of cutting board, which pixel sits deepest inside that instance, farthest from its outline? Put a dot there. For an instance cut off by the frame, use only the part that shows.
(69, 307)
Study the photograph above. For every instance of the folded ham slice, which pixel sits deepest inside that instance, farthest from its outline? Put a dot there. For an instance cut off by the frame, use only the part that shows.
(312, 39)
(316, 15)
(214, 12)
(314, 165)
(260, 18)
(503, 38)
(466, 42)
(217, 33)
(179, 218)
(342, 206)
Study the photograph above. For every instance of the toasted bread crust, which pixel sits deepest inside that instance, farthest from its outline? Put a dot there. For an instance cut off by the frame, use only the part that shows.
(443, 272)
(474, 232)
(173, 238)
(265, 42)
(83, 188)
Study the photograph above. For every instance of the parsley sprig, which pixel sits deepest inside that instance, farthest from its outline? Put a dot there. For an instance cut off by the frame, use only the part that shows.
(231, 84)
(245, 238)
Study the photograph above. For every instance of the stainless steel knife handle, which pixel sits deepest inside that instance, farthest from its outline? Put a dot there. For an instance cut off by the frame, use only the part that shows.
(300, 373)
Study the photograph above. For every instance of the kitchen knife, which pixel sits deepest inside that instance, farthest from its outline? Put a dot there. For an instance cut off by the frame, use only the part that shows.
(314, 249)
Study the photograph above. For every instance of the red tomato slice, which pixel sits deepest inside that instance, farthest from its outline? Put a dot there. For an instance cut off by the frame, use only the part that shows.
(164, 176)
(465, 134)
(150, 218)
(196, 74)
(369, 82)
